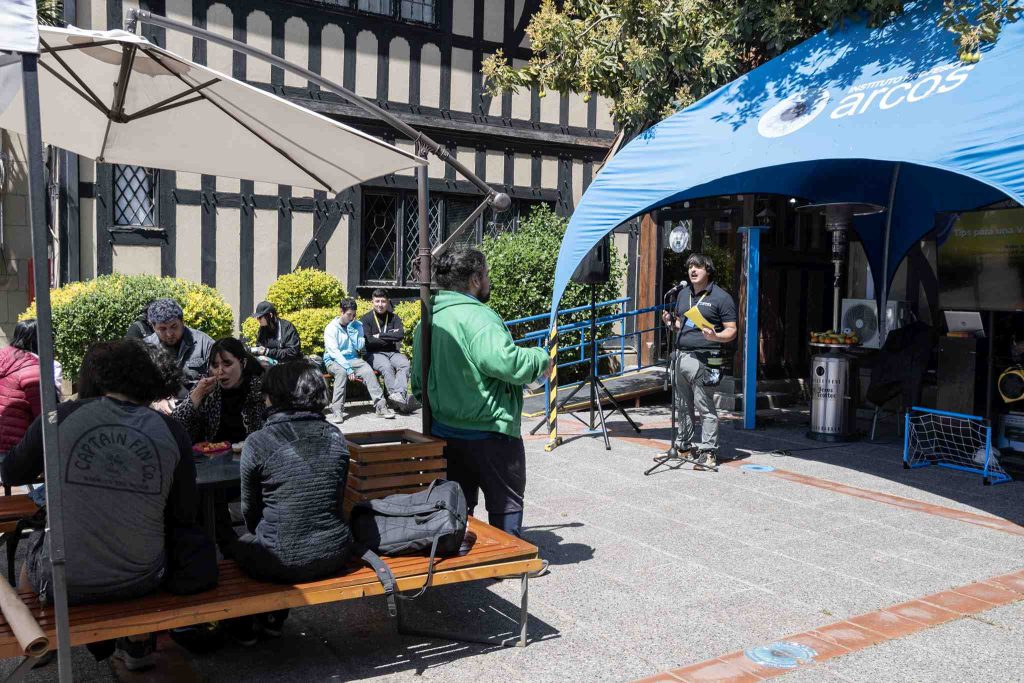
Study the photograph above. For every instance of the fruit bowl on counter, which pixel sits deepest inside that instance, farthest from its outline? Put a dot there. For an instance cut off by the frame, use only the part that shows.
(832, 339)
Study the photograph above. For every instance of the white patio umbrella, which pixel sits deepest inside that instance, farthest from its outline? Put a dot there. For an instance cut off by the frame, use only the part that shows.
(115, 97)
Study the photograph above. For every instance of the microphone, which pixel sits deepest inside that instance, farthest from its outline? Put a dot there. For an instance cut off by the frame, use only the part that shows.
(676, 289)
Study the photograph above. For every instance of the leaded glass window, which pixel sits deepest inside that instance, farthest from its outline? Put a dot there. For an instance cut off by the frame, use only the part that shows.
(381, 238)
(418, 10)
(134, 195)
(412, 233)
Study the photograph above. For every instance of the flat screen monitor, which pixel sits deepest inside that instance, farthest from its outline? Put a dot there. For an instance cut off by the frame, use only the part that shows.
(981, 260)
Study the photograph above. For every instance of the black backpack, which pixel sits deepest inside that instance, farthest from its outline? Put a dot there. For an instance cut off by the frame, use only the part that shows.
(407, 523)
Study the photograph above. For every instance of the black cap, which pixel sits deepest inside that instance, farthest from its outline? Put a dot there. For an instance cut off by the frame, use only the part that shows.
(264, 307)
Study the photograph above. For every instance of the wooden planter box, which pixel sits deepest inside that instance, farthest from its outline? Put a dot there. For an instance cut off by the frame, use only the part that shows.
(391, 461)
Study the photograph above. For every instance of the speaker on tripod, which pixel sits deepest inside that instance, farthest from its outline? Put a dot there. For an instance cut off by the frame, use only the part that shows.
(596, 267)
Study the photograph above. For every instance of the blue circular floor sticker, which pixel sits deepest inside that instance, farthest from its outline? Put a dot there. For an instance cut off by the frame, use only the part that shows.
(781, 655)
(757, 468)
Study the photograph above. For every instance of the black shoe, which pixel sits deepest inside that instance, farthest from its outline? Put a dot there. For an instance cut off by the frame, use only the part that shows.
(137, 655)
(199, 639)
(675, 453)
(706, 460)
(242, 630)
(271, 623)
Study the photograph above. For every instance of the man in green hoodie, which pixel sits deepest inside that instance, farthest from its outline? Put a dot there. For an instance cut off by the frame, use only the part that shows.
(475, 387)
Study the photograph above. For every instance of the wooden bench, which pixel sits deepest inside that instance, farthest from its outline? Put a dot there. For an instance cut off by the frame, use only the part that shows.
(491, 553)
(13, 508)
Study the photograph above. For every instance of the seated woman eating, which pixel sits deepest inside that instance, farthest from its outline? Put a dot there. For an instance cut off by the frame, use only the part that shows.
(225, 406)
(115, 449)
(293, 480)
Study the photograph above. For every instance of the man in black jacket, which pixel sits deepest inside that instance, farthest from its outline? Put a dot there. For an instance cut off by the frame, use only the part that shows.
(384, 334)
(277, 338)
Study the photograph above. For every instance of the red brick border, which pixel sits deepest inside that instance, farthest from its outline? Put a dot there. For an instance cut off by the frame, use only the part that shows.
(861, 632)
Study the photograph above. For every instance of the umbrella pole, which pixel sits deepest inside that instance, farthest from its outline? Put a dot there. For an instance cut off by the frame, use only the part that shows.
(883, 322)
(426, 315)
(48, 396)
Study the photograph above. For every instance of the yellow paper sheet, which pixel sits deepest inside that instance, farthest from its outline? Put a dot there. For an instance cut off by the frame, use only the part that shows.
(697, 319)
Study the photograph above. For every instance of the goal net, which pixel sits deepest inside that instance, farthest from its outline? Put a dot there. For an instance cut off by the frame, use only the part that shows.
(951, 440)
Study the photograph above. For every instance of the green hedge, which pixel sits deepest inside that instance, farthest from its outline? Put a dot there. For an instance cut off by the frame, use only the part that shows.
(305, 288)
(102, 309)
(310, 324)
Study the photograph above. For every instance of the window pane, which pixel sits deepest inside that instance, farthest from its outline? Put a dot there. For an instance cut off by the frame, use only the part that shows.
(458, 210)
(412, 232)
(134, 196)
(380, 238)
(496, 223)
(418, 10)
(377, 6)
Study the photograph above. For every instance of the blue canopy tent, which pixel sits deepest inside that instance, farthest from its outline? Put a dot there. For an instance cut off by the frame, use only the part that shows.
(830, 121)
(888, 116)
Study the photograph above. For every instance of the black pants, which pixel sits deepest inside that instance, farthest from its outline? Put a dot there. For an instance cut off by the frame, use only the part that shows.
(260, 563)
(498, 467)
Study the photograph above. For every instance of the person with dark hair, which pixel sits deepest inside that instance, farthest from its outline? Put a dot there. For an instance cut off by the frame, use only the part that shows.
(172, 375)
(344, 342)
(227, 405)
(475, 385)
(384, 334)
(293, 482)
(190, 347)
(698, 342)
(20, 402)
(140, 327)
(129, 490)
(276, 338)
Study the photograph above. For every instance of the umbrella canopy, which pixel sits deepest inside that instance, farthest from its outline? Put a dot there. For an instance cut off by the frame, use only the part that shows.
(830, 121)
(115, 97)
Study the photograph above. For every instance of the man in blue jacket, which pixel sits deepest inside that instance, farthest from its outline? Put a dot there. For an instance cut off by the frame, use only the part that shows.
(344, 342)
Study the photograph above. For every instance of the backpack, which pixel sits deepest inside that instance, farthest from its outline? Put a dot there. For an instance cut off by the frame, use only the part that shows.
(407, 523)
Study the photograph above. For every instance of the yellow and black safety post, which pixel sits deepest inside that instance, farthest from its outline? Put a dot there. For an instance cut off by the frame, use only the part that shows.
(554, 440)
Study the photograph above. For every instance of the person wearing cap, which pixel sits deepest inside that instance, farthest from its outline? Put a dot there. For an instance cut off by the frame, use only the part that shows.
(277, 338)
(188, 346)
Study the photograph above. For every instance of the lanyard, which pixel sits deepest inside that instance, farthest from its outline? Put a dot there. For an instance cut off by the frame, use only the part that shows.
(690, 297)
(380, 328)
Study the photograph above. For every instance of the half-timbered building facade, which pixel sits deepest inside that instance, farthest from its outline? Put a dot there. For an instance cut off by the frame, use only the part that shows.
(420, 59)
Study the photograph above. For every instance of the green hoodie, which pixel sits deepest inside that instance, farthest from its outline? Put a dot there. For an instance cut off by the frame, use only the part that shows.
(476, 372)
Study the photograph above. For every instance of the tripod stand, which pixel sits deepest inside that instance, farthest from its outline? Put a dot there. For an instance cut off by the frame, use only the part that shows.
(596, 386)
(673, 459)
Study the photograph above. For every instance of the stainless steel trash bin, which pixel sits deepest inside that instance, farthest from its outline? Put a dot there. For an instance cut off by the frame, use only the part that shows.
(834, 392)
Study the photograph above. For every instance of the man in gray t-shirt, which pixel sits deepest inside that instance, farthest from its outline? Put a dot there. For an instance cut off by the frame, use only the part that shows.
(695, 343)
(128, 480)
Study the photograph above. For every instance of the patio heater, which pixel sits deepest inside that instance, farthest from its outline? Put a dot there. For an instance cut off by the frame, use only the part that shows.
(835, 390)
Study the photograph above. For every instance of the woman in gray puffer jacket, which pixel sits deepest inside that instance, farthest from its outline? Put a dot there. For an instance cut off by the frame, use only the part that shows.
(293, 481)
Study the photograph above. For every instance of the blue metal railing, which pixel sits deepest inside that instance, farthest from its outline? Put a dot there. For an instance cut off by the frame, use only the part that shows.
(613, 345)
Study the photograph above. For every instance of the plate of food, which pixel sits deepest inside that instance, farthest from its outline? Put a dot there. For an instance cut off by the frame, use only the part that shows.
(211, 448)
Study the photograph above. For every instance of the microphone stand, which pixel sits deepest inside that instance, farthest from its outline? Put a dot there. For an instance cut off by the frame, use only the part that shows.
(672, 459)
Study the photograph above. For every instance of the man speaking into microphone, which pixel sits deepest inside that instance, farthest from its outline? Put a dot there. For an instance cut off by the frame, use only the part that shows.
(704, 320)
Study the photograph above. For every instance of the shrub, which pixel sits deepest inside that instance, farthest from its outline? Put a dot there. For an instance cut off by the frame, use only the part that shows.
(310, 324)
(522, 272)
(102, 309)
(305, 288)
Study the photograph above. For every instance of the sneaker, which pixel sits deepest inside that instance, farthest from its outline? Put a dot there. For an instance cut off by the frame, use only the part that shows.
(384, 410)
(242, 630)
(137, 655)
(411, 404)
(706, 460)
(674, 453)
(335, 419)
(270, 624)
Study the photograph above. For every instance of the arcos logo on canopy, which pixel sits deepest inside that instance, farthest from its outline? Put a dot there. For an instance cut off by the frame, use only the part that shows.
(795, 112)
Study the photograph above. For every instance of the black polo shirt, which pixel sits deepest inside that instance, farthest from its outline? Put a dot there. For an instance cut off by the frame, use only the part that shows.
(717, 307)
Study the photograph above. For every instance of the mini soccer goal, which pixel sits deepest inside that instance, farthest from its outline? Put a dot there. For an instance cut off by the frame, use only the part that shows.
(951, 440)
